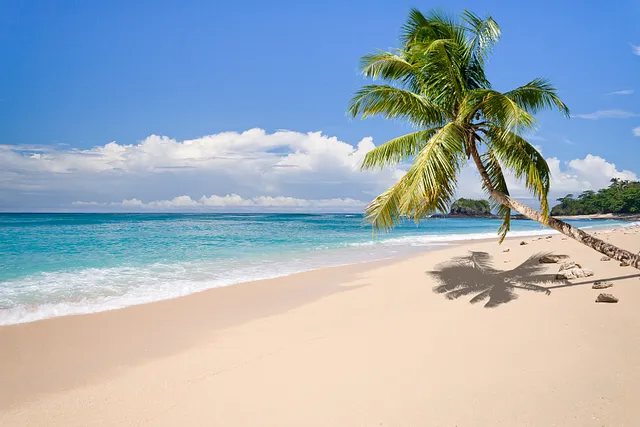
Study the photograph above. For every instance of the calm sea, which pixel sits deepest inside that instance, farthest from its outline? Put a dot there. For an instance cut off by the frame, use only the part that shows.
(60, 264)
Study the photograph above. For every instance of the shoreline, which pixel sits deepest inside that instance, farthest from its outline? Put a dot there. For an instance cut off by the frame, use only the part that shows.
(621, 217)
(429, 243)
(283, 350)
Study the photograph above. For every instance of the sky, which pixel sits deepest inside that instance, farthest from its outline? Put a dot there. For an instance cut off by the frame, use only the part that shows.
(210, 105)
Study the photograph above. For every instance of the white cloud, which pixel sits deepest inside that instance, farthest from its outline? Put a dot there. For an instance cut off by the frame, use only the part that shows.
(636, 131)
(157, 153)
(606, 114)
(635, 49)
(233, 201)
(590, 173)
(621, 92)
(253, 163)
(252, 170)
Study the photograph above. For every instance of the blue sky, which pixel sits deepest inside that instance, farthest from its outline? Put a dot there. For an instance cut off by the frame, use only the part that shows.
(78, 75)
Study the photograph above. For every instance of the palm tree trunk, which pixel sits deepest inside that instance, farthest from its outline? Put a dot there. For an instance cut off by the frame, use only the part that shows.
(561, 226)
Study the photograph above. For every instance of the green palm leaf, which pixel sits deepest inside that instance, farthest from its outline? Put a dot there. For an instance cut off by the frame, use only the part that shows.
(392, 67)
(497, 109)
(485, 33)
(384, 211)
(537, 95)
(524, 160)
(429, 185)
(395, 103)
(431, 181)
(498, 182)
(398, 149)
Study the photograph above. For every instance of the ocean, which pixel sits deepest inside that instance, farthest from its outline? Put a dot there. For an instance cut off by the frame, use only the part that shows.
(62, 264)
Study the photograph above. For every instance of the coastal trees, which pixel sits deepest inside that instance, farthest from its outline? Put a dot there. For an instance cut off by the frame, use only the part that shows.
(436, 82)
(621, 197)
(470, 207)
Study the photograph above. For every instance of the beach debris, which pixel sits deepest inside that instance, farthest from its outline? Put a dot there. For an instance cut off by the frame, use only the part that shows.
(548, 237)
(605, 258)
(552, 259)
(572, 270)
(602, 285)
(568, 265)
(523, 243)
(506, 250)
(606, 298)
(624, 264)
(564, 238)
(506, 261)
(574, 273)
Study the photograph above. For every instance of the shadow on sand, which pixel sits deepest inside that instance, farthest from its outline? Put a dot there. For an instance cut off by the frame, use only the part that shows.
(475, 276)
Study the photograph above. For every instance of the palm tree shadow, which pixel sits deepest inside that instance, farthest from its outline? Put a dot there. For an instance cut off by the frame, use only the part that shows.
(475, 275)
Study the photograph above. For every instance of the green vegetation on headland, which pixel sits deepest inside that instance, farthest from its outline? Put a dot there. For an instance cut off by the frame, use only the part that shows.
(621, 197)
(470, 207)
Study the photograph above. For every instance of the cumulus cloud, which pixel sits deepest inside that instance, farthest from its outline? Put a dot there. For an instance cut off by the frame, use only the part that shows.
(252, 170)
(252, 163)
(606, 114)
(621, 92)
(635, 49)
(636, 131)
(590, 173)
(233, 201)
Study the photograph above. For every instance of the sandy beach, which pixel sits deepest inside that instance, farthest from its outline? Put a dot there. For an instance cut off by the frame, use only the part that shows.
(363, 345)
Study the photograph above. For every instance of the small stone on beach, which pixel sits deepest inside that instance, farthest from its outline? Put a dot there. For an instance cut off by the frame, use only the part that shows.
(572, 270)
(605, 258)
(606, 298)
(624, 264)
(523, 243)
(506, 250)
(602, 285)
(568, 265)
(552, 259)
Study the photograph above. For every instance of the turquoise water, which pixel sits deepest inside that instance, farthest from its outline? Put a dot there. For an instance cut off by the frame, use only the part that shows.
(60, 264)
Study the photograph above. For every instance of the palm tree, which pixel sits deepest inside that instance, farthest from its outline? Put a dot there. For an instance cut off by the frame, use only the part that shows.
(437, 83)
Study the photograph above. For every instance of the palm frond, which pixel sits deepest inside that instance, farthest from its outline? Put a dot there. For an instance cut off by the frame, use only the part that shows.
(537, 95)
(485, 33)
(392, 66)
(423, 29)
(496, 108)
(384, 212)
(432, 180)
(395, 103)
(499, 183)
(397, 149)
(524, 160)
(429, 185)
(445, 61)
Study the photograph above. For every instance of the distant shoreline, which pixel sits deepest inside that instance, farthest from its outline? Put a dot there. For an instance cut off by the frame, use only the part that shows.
(626, 217)
(623, 217)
